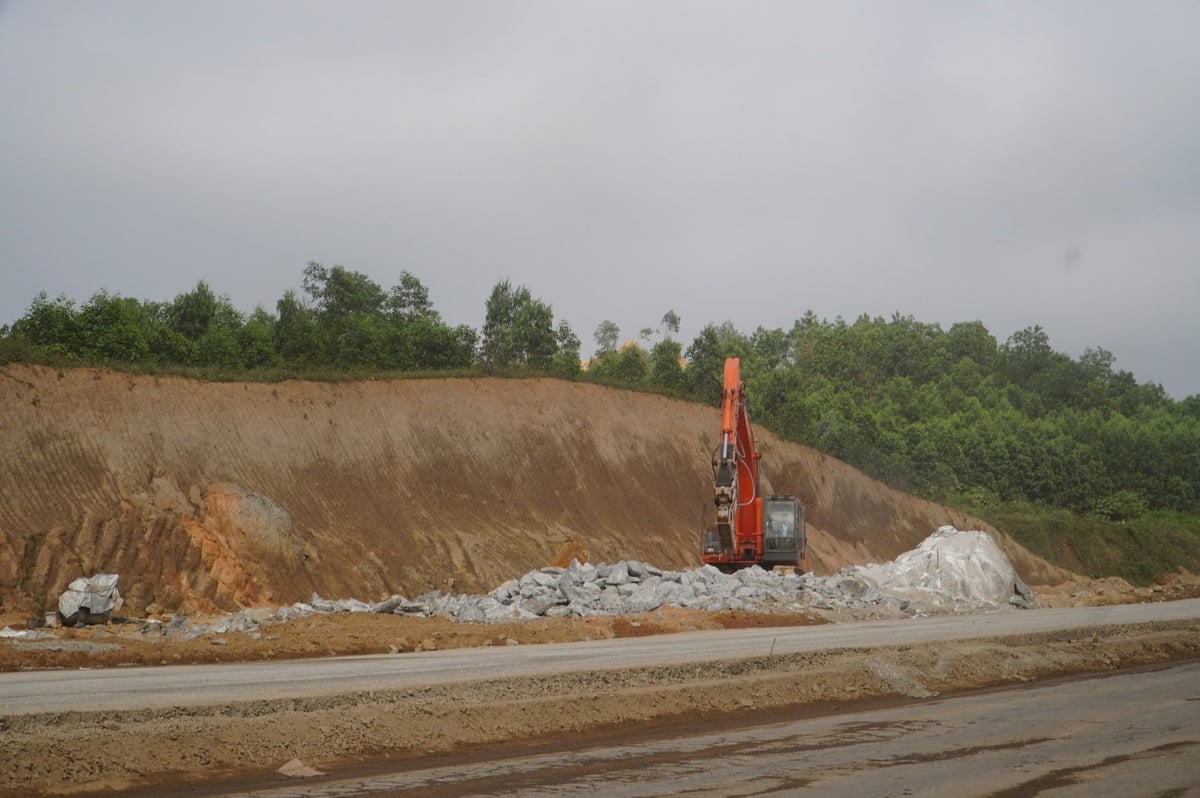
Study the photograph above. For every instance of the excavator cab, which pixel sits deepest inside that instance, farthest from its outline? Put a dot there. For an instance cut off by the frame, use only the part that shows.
(785, 536)
(784, 539)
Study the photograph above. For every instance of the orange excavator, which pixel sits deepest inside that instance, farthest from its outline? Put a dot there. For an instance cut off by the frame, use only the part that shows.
(749, 530)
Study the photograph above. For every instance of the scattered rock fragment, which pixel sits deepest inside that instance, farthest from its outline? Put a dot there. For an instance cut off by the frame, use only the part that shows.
(295, 769)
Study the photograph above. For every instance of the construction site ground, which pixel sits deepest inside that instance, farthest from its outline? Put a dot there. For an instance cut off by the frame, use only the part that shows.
(85, 752)
(210, 497)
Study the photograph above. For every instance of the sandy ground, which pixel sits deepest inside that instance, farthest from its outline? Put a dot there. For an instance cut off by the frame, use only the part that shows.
(1083, 592)
(57, 753)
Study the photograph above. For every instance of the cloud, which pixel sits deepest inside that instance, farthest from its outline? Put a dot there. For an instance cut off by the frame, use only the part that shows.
(740, 162)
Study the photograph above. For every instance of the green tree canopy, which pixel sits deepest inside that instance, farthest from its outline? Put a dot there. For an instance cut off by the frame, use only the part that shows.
(607, 336)
(192, 312)
(518, 329)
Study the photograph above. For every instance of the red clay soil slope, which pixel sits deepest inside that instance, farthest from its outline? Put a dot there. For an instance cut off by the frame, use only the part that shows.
(220, 495)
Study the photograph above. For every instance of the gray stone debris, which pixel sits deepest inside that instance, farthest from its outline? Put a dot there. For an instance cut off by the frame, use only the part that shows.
(950, 572)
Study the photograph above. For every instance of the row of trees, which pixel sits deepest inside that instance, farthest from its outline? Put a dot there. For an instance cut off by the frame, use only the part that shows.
(929, 410)
(939, 412)
(343, 320)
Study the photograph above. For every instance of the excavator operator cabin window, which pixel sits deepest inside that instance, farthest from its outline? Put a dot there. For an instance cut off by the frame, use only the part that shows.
(781, 526)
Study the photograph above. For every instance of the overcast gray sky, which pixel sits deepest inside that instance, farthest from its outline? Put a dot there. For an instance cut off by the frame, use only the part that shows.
(1013, 162)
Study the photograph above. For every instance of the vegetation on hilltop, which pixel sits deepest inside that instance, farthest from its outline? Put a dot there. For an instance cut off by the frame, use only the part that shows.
(949, 414)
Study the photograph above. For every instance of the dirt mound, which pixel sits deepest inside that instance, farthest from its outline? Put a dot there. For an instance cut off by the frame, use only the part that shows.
(208, 496)
(1081, 592)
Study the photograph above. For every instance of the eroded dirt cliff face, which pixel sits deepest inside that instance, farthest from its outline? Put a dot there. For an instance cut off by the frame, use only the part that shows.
(220, 495)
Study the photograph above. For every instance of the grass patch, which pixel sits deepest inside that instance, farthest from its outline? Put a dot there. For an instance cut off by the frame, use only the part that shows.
(1137, 550)
(13, 350)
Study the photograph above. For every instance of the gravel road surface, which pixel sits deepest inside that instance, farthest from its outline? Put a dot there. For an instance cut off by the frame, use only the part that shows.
(223, 727)
(204, 685)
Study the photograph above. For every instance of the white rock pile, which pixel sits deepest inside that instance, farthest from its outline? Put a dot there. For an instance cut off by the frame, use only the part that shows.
(950, 572)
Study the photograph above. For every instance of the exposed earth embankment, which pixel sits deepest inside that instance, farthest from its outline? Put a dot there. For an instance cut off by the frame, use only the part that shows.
(209, 496)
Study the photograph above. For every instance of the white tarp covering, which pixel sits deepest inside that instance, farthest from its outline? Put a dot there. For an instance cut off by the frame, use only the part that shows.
(950, 569)
(98, 595)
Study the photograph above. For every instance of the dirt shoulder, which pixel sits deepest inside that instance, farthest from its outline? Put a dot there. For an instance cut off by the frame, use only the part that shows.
(90, 752)
(348, 634)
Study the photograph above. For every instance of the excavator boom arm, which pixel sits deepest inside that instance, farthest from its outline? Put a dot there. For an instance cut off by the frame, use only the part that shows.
(737, 437)
(735, 468)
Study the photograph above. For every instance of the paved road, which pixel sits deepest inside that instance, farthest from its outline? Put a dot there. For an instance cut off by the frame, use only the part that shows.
(194, 685)
(1130, 734)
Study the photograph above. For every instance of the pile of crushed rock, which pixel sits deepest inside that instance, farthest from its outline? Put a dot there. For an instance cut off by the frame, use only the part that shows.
(951, 571)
